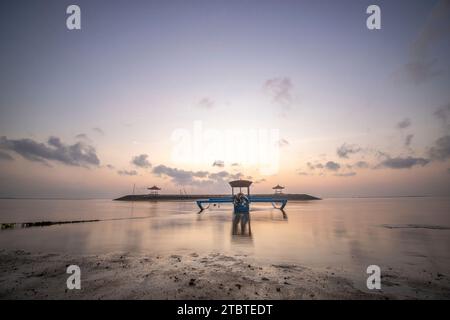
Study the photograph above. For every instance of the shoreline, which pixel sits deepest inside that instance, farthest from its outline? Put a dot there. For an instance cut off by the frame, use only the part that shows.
(189, 275)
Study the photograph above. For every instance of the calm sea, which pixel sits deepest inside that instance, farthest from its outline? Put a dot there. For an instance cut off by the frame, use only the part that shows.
(408, 233)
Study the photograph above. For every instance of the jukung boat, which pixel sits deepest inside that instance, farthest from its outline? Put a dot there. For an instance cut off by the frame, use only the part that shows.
(241, 201)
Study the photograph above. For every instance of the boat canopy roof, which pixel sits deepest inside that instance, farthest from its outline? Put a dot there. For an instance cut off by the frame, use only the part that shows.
(240, 183)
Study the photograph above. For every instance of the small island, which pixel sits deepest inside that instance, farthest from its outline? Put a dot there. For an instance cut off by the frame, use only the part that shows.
(154, 194)
(193, 197)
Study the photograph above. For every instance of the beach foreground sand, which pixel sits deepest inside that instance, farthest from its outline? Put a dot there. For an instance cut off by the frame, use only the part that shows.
(25, 275)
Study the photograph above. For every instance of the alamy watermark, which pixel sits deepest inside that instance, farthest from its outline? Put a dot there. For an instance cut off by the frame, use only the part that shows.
(74, 280)
(373, 22)
(73, 21)
(259, 147)
(374, 280)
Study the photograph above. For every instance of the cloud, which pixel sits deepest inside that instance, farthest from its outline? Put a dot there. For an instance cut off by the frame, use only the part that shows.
(179, 176)
(441, 149)
(236, 176)
(420, 68)
(259, 181)
(110, 166)
(346, 174)
(127, 172)
(219, 175)
(361, 165)
(312, 166)
(224, 175)
(78, 154)
(302, 173)
(402, 163)
(82, 136)
(218, 163)
(280, 90)
(346, 149)
(335, 166)
(141, 161)
(98, 130)
(206, 103)
(443, 114)
(332, 166)
(408, 139)
(235, 164)
(405, 123)
(283, 143)
(5, 156)
(435, 29)
(195, 178)
(417, 72)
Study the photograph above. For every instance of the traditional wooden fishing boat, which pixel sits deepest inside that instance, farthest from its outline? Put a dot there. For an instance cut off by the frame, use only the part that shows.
(241, 201)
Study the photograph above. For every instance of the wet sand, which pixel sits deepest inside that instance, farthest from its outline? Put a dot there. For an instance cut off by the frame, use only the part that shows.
(25, 275)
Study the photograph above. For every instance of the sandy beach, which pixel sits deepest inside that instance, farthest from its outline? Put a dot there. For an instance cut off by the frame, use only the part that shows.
(25, 275)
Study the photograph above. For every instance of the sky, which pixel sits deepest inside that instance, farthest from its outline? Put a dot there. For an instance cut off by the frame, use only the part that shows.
(189, 95)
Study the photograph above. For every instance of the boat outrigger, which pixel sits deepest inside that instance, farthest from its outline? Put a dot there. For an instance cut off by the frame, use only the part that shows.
(241, 201)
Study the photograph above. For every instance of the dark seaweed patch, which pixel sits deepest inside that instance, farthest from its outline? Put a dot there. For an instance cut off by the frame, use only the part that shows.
(5, 226)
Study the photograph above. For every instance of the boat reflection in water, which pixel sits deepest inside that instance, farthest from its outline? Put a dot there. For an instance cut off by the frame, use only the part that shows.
(241, 225)
(241, 229)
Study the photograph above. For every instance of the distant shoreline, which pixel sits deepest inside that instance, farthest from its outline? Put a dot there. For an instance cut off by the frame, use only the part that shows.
(192, 197)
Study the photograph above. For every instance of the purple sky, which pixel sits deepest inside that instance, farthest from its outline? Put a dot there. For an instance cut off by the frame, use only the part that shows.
(359, 112)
